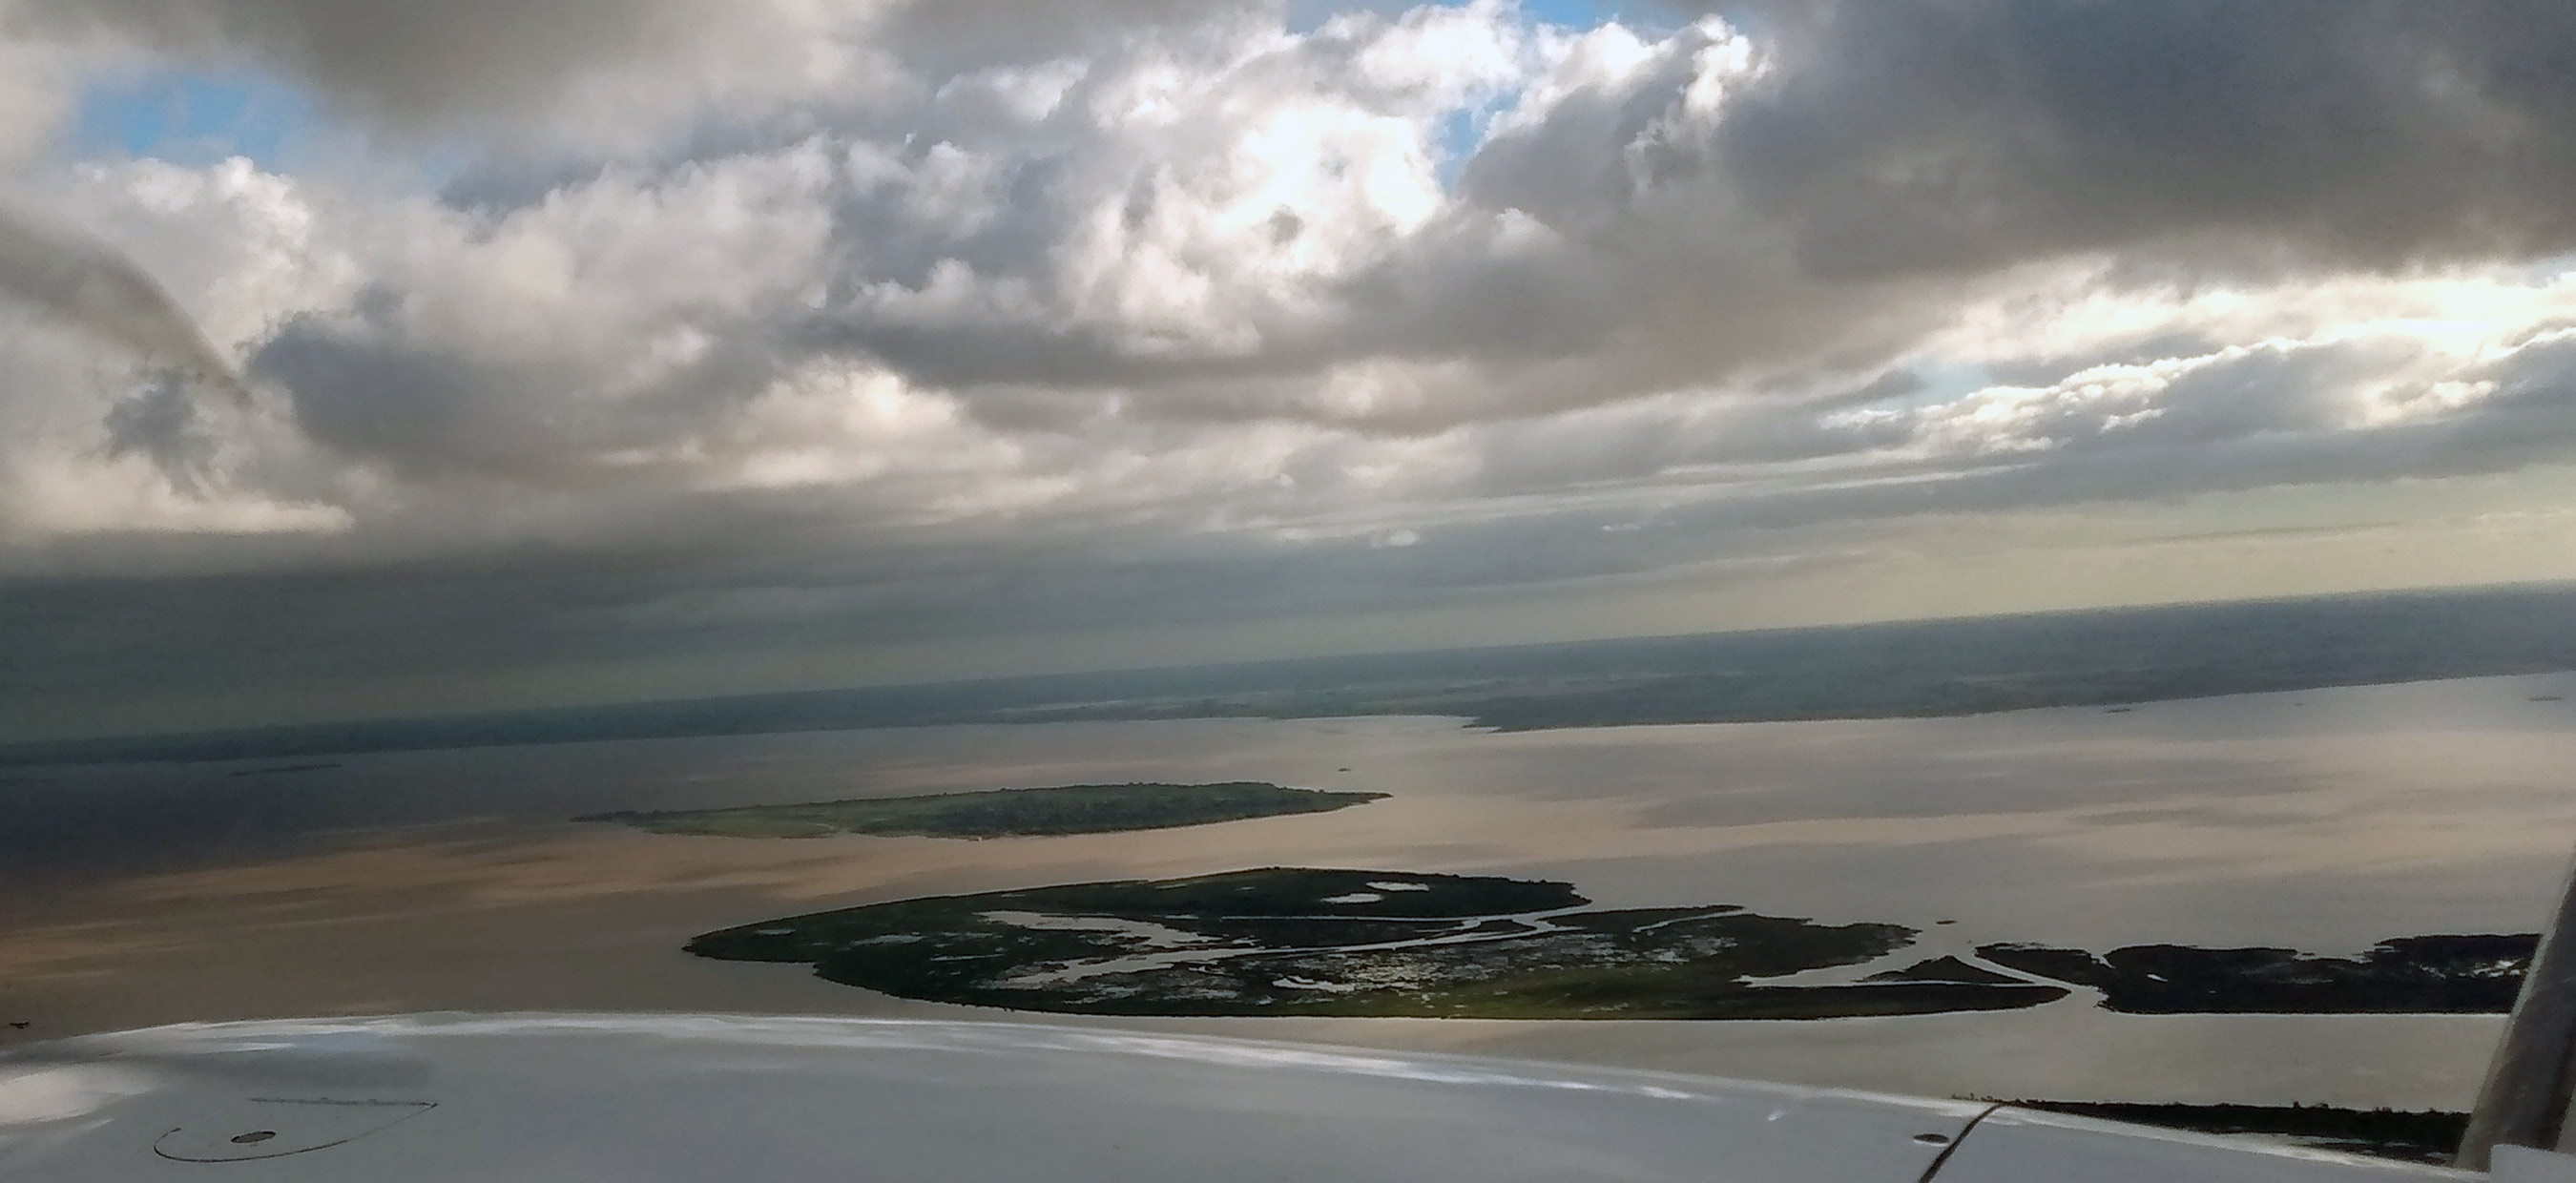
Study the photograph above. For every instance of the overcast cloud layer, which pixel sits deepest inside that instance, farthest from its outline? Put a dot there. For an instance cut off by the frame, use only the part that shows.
(617, 349)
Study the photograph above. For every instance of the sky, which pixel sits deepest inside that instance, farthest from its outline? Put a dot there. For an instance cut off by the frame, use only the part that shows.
(368, 358)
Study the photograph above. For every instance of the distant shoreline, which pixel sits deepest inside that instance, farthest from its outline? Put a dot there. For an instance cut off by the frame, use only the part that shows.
(1924, 669)
(1001, 813)
(2426, 1136)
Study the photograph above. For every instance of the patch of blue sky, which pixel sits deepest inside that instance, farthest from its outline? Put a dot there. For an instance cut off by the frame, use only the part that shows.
(1944, 382)
(190, 118)
(1570, 14)
(1926, 382)
(1461, 132)
(1590, 14)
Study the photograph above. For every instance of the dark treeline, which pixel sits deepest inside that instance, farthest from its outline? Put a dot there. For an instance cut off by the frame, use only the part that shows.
(2427, 1136)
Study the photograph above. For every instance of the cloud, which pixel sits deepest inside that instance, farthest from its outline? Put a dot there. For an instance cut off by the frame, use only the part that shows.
(35, 82)
(86, 284)
(613, 75)
(442, 68)
(889, 325)
(1897, 136)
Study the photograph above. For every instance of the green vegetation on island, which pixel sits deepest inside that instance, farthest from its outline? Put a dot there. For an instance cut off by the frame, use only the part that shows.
(1342, 942)
(1339, 942)
(2410, 975)
(1003, 813)
(1945, 969)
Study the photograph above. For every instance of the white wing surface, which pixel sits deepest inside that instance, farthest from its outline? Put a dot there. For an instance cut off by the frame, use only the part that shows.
(634, 1099)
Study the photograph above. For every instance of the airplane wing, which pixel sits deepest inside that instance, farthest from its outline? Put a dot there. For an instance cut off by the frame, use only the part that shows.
(634, 1099)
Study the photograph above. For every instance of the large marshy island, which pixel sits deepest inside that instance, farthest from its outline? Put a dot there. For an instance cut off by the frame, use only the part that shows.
(1003, 813)
(1298, 941)
(1340, 942)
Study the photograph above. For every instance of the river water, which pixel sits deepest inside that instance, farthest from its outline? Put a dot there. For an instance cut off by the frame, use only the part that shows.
(2322, 820)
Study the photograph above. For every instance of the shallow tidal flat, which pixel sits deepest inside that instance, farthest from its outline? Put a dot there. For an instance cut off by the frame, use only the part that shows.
(2326, 821)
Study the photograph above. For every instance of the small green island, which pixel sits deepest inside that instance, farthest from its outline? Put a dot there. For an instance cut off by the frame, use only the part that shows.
(1301, 941)
(1002, 813)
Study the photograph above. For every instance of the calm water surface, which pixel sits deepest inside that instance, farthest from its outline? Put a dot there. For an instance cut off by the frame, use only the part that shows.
(2322, 820)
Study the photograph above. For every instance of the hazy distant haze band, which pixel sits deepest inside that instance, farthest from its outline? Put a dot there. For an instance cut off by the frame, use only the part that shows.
(1890, 670)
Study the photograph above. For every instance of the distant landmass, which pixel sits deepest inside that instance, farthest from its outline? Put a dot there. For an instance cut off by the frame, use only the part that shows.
(1003, 813)
(2428, 1136)
(1926, 668)
(1287, 940)
(2410, 975)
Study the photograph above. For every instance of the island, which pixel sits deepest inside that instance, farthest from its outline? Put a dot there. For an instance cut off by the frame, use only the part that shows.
(1307, 941)
(2428, 1136)
(2445, 974)
(1304, 941)
(1002, 813)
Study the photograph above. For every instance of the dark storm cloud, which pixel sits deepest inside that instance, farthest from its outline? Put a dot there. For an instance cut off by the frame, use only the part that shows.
(1900, 135)
(533, 623)
(362, 390)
